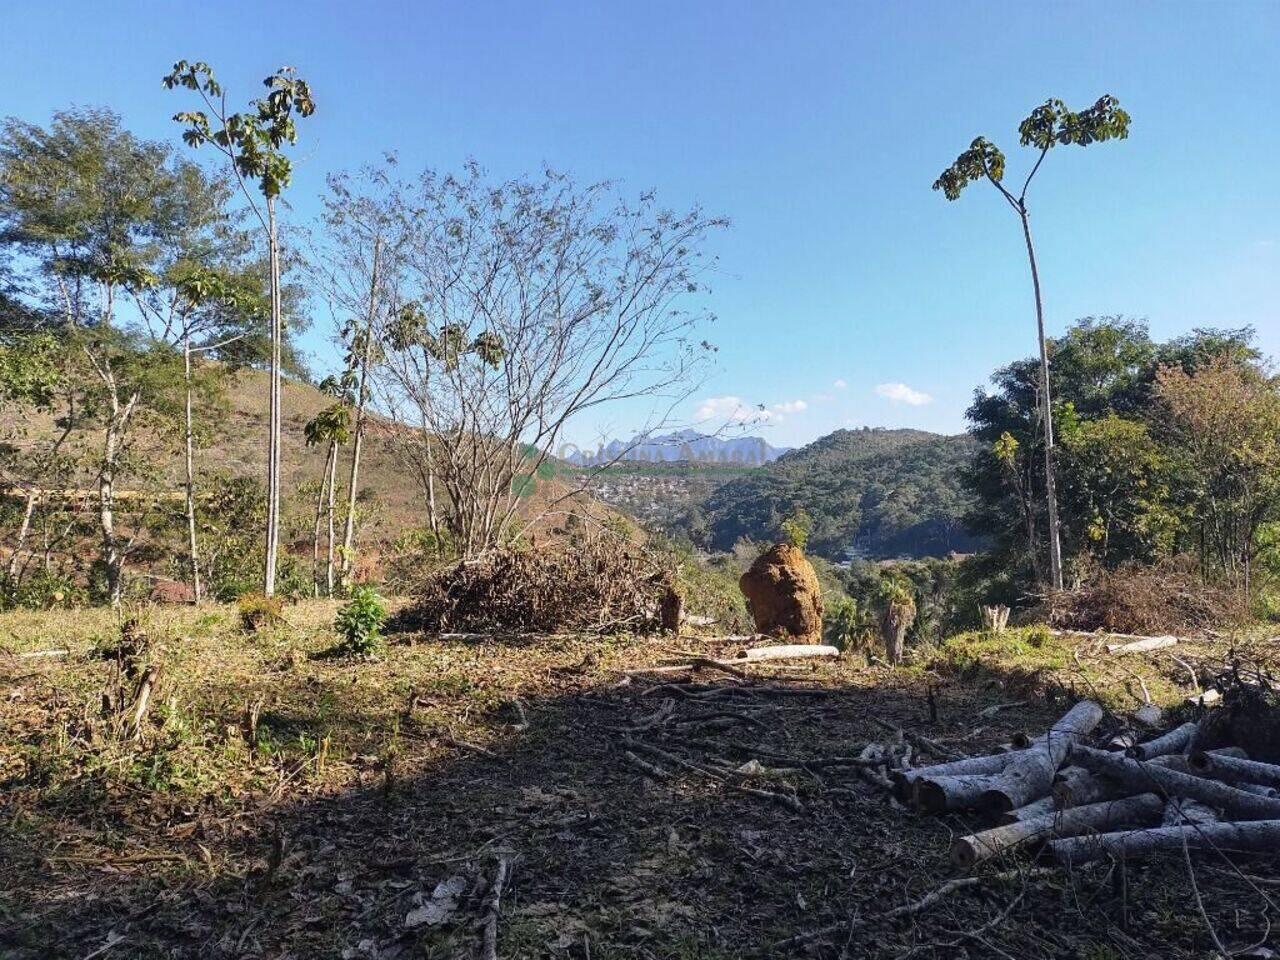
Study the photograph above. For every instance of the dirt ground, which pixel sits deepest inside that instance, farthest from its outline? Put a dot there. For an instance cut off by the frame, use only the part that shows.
(282, 801)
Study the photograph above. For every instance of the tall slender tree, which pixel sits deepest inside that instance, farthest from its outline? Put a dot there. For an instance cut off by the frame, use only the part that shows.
(1048, 126)
(253, 144)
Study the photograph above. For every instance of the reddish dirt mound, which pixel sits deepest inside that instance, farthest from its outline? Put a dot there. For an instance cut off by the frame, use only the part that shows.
(783, 594)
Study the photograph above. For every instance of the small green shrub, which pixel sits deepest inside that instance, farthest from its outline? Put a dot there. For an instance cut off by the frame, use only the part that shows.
(258, 611)
(360, 621)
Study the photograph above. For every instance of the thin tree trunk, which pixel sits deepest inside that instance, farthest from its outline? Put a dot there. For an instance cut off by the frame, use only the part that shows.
(362, 397)
(1050, 486)
(273, 419)
(192, 543)
(24, 530)
(325, 481)
(331, 483)
(106, 506)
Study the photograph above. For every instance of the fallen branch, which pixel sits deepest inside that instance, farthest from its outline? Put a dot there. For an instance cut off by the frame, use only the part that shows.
(490, 950)
(789, 651)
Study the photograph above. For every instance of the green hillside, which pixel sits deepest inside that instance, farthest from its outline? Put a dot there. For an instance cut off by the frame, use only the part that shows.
(883, 493)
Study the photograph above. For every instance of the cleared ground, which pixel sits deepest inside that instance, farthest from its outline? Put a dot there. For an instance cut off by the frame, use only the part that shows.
(282, 801)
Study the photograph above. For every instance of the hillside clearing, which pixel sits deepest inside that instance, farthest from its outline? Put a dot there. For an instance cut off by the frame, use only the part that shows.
(285, 802)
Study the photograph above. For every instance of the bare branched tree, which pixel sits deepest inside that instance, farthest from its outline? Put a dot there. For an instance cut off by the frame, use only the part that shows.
(522, 306)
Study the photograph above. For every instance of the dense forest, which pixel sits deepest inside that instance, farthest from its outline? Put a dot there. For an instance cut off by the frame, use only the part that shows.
(1166, 450)
(873, 492)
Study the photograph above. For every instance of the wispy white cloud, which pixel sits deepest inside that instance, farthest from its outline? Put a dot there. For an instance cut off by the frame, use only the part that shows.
(901, 393)
(840, 384)
(732, 409)
(791, 406)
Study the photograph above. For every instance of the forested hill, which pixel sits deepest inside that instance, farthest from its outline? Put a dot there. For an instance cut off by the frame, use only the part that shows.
(885, 493)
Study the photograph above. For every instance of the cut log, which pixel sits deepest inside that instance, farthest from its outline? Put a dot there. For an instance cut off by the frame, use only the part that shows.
(1249, 837)
(1137, 776)
(1177, 812)
(1122, 741)
(1029, 774)
(905, 780)
(785, 651)
(1075, 786)
(1141, 646)
(1233, 769)
(1146, 808)
(1175, 741)
(939, 794)
(1043, 806)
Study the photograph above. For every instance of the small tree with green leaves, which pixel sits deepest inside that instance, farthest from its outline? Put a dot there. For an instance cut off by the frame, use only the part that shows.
(1048, 126)
(796, 527)
(253, 144)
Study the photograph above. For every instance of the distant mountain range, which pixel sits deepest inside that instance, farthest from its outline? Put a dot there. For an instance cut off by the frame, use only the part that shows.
(684, 445)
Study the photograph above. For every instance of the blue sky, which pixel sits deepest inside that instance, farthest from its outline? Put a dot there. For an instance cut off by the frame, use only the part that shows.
(817, 128)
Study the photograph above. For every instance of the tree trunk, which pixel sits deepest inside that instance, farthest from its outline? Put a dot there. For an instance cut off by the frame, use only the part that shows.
(1215, 764)
(1175, 741)
(189, 436)
(331, 482)
(1256, 836)
(320, 505)
(1138, 776)
(1030, 774)
(111, 559)
(1046, 411)
(273, 417)
(357, 440)
(24, 531)
(1143, 809)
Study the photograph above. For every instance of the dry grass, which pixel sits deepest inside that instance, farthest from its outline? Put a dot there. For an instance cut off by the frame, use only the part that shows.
(286, 802)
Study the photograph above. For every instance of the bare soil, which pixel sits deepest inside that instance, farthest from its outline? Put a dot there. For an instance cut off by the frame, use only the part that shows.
(283, 801)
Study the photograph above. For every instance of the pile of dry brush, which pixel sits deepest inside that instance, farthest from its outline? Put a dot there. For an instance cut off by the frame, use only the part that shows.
(1143, 600)
(1076, 795)
(595, 587)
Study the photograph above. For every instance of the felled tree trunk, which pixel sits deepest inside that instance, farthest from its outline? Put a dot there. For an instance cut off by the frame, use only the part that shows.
(1177, 812)
(1175, 741)
(1142, 809)
(1136, 776)
(1234, 769)
(1029, 775)
(1248, 837)
(1040, 808)
(928, 786)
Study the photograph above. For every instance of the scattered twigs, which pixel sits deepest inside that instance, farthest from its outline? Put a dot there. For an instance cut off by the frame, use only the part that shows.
(729, 780)
(904, 910)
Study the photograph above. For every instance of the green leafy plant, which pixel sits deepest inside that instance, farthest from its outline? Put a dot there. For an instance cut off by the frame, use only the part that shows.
(360, 621)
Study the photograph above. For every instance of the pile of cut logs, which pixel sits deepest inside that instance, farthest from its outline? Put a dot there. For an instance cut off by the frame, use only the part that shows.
(1074, 799)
